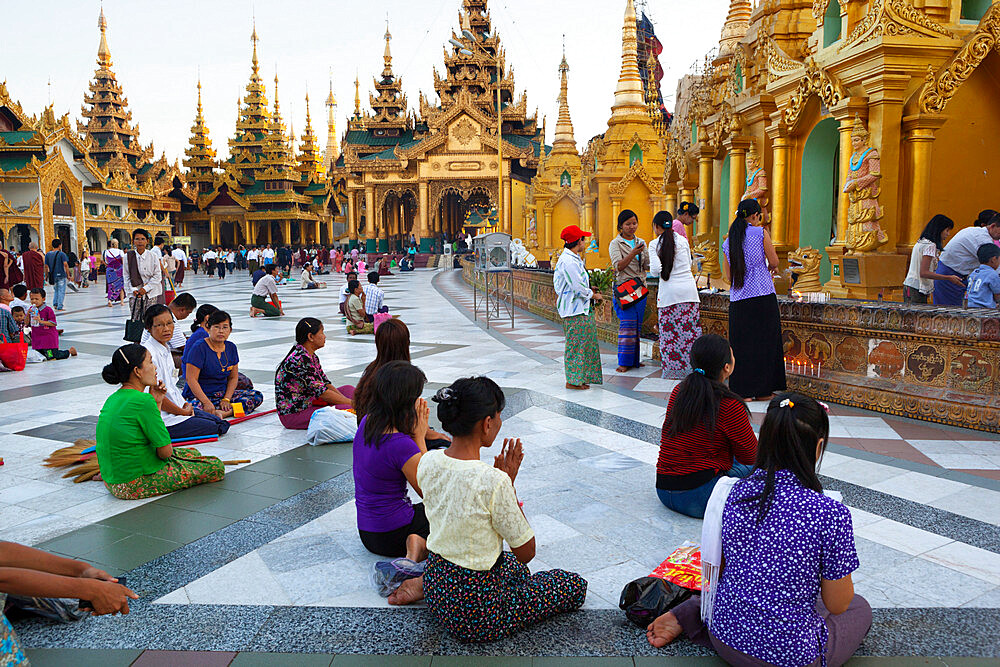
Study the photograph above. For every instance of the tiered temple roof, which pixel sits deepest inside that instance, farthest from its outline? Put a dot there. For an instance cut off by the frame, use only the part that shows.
(200, 161)
(112, 141)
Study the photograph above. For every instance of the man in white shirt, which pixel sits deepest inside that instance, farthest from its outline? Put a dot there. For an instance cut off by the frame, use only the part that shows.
(148, 284)
(960, 258)
(266, 287)
(374, 297)
(180, 255)
(253, 260)
(268, 255)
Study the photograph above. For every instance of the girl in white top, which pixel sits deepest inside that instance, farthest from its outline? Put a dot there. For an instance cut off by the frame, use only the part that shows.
(677, 299)
(181, 418)
(477, 591)
(919, 282)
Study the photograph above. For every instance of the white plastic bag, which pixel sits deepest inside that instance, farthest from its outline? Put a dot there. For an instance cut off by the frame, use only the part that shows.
(35, 357)
(330, 425)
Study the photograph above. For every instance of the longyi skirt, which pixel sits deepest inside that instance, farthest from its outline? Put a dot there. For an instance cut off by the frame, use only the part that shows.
(755, 336)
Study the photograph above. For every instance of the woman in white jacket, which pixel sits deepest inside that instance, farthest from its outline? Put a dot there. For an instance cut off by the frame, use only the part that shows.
(677, 300)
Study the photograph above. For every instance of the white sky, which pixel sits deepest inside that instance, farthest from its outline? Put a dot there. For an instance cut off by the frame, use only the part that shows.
(158, 48)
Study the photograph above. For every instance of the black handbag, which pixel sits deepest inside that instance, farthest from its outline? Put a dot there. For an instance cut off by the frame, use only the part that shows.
(629, 292)
(647, 598)
(134, 326)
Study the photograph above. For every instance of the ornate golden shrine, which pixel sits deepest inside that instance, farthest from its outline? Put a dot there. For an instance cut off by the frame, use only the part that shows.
(419, 175)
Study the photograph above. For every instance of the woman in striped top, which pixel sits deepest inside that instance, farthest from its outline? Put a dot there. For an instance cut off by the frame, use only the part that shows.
(707, 433)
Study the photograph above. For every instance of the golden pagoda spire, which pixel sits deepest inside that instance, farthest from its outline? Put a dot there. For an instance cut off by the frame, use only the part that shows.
(387, 71)
(309, 163)
(332, 152)
(103, 51)
(629, 98)
(357, 97)
(735, 28)
(277, 112)
(564, 141)
(253, 38)
(200, 160)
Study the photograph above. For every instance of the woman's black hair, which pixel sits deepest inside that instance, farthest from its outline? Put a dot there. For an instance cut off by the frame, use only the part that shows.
(934, 229)
(984, 217)
(793, 425)
(353, 285)
(699, 395)
(398, 385)
(668, 246)
(307, 326)
(737, 233)
(204, 311)
(467, 402)
(125, 359)
(151, 314)
(624, 217)
(689, 208)
(140, 230)
(218, 317)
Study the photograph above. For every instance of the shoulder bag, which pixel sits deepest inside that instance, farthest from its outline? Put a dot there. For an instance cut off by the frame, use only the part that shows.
(629, 292)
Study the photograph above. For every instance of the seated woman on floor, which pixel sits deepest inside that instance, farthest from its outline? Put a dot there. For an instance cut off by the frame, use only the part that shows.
(306, 280)
(212, 372)
(385, 460)
(778, 554)
(474, 588)
(354, 310)
(29, 572)
(384, 266)
(706, 434)
(182, 419)
(406, 264)
(300, 385)
(133, 445)
(199, 332)
(392, 343)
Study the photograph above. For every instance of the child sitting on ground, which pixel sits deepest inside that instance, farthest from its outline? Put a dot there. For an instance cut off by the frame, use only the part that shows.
(21, 319)
(984, 282)
(44, 335)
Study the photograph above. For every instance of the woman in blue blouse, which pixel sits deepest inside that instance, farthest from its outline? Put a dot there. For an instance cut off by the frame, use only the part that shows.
(199, 332)
(211, 371)
(785, 595)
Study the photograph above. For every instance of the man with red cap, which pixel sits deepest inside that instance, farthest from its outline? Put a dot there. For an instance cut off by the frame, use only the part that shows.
(573, 301)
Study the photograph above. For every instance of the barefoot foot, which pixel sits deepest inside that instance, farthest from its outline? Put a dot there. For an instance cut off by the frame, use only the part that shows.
(622, 369)
(663, 630)
(410, 591)
(72, 351)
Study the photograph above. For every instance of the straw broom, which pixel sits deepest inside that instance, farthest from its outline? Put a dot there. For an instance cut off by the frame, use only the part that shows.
(83, 467)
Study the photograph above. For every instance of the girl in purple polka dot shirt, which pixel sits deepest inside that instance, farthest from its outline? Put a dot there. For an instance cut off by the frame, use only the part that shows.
(785, 595)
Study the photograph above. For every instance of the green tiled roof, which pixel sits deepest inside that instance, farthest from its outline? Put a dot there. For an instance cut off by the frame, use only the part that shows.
(523, 142)
(16, 137)
(366, 138)
(14, 162)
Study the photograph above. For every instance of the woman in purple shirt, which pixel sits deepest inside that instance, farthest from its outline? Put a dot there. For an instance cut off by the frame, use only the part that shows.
(785, 596)
(754, 321)
(385, 460)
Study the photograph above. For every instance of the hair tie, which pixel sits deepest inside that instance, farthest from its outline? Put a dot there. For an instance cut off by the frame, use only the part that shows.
(445, 395)
(700, 371)
(786, 403)
(824, 406)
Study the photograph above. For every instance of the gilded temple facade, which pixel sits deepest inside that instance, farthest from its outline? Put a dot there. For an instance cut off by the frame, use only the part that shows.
(900, 96)
(622, 169)
(463, 162)
(263, 192)
(84, 185)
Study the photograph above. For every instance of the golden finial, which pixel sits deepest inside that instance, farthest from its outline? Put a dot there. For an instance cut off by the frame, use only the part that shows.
(331, 101)
(103, 52)
(629, 97)
(276, 91)
(387, 72)
(253, 38)
(199, 95)
(357, 97)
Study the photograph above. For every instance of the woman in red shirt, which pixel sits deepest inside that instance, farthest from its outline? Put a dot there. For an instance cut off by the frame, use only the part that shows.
(707, 433)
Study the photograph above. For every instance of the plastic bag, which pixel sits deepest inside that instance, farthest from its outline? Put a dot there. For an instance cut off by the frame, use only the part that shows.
(647, 598)
(35, 357)
(330, 425)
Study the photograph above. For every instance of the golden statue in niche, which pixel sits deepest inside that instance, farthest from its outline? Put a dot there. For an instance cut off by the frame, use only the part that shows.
(756, 183)
(864, 233)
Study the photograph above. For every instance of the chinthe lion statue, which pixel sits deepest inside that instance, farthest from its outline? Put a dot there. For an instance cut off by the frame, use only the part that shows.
(706, 263)
(805, 263)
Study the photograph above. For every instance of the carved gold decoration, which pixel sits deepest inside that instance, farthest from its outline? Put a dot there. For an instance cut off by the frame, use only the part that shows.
(706, 252)
(889, 18)
(636, 171)
(815, 81)
(938, 90)
(464, 131)
(805, 263)
(774, 60)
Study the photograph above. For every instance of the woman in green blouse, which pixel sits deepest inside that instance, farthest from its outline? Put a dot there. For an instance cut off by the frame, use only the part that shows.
(133, 446)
